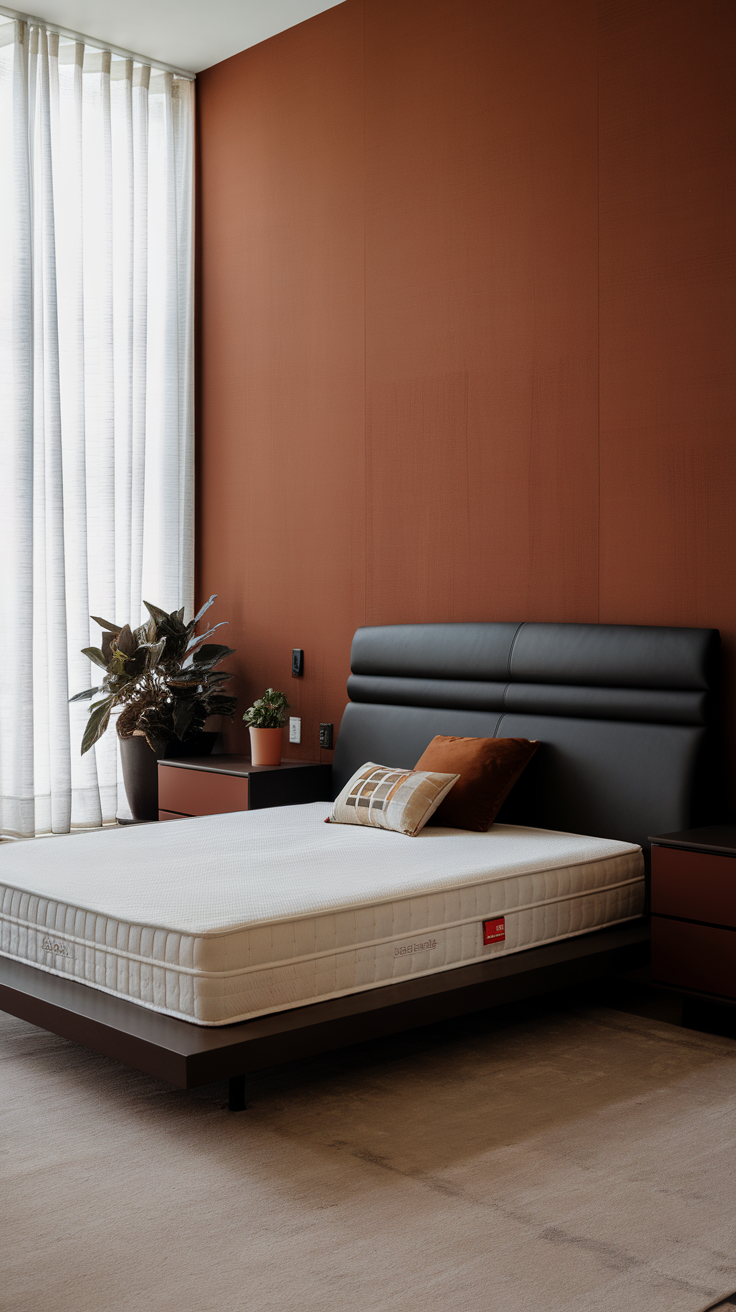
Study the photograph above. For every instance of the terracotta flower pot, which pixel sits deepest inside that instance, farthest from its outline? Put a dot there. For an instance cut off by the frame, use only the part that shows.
(265, 746)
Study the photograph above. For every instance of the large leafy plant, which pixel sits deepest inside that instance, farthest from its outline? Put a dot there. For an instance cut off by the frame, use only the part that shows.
(163, 674)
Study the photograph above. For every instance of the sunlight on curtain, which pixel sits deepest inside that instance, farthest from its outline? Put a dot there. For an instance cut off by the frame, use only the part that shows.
(96, 395)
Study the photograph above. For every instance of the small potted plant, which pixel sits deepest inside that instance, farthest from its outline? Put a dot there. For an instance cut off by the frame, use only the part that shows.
(265, 720)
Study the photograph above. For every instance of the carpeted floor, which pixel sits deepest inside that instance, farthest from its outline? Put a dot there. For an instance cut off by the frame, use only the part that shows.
(537, 1160)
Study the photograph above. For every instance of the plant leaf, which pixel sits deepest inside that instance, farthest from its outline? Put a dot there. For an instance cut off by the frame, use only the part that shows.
(86, 692)
(95, 655)
(126, 642)
(160, 616)
(155, 651)
(158, 738)
(105, 624)
(215, 677)
(220, 704)
(183, 712)
(185, 675)
(146, 632)
(198, 639)
(117, 666)
(96, 725)
(211, 653)
(202, 609)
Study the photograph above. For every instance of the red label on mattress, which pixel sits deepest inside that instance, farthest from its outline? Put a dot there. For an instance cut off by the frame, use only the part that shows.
(494, 930)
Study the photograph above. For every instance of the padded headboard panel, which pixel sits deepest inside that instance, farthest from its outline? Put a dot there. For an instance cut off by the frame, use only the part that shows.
(624, 715)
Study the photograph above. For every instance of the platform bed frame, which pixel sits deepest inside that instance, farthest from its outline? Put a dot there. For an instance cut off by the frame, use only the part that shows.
(189, 1055)
(624, 716)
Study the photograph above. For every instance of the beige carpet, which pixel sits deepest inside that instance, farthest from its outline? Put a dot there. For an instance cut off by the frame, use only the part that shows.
(533, 1162)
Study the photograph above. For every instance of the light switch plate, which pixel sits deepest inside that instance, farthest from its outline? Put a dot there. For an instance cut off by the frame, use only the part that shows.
(295, 729)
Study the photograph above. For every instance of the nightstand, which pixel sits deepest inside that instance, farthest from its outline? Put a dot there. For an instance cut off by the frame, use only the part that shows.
(211, 785)
(694, 911)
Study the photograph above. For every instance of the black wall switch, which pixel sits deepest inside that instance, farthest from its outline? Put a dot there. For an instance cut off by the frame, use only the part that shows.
(297, 663)
(325, 736)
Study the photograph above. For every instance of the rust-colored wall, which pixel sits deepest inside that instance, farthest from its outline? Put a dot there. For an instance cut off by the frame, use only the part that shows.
(466, 326)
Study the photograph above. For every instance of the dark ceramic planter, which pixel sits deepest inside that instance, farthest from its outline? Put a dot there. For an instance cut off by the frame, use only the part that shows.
(140, 769)
(140, 772)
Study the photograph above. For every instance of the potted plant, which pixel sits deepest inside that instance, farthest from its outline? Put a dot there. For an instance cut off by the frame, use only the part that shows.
(164, 676)
(265, 720)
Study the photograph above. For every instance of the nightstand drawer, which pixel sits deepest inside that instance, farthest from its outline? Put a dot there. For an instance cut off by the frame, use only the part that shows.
(694, 956)
(200, 792)
(694, 885)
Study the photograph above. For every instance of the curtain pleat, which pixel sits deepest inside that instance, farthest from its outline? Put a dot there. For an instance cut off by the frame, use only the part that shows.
(96, 397)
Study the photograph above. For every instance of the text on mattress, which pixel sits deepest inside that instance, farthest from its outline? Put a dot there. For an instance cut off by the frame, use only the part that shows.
(407, 948)
(54, 945)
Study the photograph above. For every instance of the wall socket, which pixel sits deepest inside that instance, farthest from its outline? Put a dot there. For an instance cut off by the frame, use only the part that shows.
(295, 729)
(325, 736)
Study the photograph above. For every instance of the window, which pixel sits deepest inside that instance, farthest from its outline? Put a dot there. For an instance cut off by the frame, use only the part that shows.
(96, 395)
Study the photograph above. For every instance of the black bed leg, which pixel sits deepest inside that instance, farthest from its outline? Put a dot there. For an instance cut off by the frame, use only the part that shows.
(236, 1093)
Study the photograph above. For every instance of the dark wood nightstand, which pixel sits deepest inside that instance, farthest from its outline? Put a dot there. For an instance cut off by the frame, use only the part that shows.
(694, 911)
(211, 785)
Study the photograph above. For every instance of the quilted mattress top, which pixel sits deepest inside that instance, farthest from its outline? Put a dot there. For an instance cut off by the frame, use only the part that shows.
(212, 874)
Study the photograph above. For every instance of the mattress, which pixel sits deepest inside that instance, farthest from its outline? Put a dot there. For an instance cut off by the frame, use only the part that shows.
(217, 919)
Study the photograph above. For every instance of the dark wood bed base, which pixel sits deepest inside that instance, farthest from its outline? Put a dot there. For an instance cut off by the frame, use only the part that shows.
(188, 1055)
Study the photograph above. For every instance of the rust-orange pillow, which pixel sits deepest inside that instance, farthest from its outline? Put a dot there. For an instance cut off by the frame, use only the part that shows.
(488, 769)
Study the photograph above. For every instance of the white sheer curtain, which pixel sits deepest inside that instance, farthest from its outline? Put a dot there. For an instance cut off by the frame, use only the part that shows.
(96, 395)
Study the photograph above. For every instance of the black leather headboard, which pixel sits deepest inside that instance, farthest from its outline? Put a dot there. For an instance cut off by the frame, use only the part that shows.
(624, 714)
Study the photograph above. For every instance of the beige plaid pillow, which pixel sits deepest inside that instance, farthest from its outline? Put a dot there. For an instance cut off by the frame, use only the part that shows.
(402, 800)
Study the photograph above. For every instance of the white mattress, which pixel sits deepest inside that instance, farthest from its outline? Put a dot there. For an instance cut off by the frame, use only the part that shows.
(221, 918)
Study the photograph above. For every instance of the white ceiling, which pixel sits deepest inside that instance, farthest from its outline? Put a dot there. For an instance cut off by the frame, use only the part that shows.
(190, 34)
